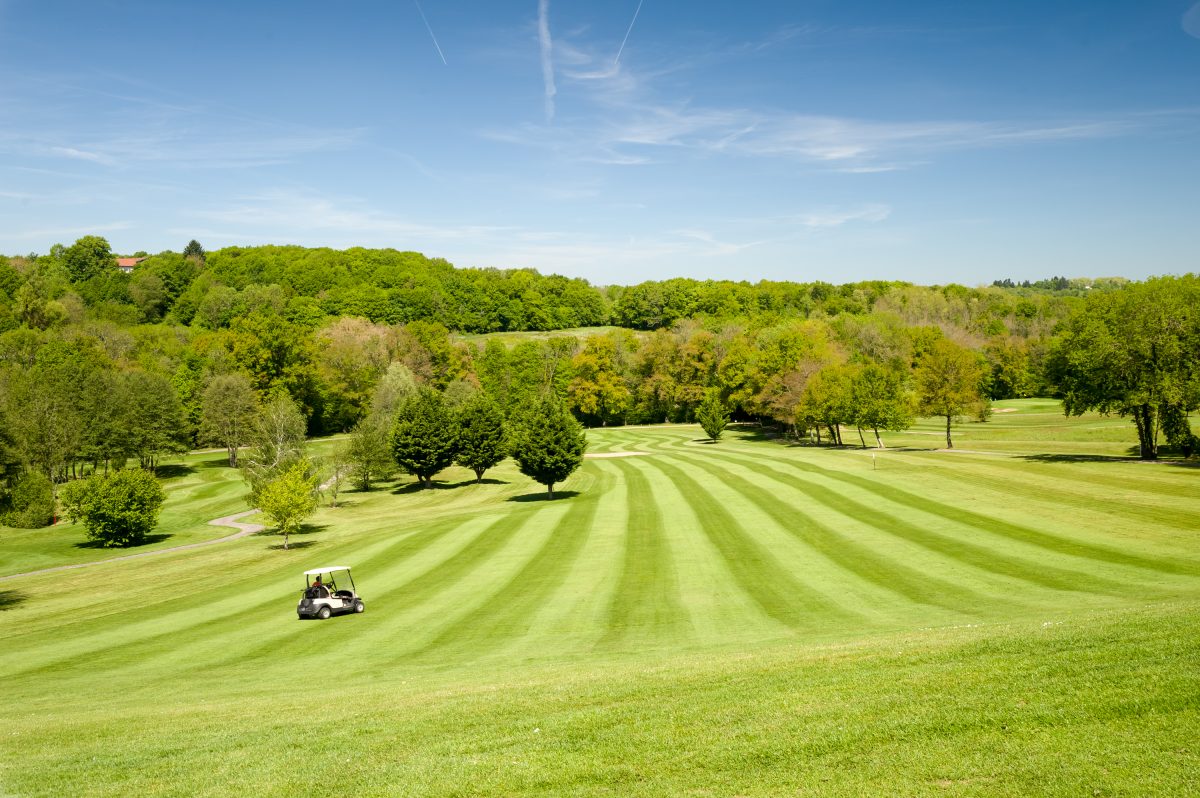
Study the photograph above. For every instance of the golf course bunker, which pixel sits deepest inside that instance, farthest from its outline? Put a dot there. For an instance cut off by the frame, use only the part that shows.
(602, 455)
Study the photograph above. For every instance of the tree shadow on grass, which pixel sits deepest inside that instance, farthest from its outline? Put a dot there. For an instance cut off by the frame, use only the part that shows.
(11, 598)
(417, 487)
(1132, 457)
(542, 497)
(305, 529)
(704, 440)
(173, 471)
(96, 544)
(293, 544)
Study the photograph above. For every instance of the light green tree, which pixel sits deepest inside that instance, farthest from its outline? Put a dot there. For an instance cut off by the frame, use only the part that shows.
(289, 498)
(880, 399)
(947, 377)
(229, 412)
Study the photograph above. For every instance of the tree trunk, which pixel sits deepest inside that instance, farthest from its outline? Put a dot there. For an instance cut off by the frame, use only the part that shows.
(818, 429)
(949, 443)
(479, 475)
(550, 490)
(233, 457)
(878, 440)
(285, 537)
(861, 438)
(1144, 417)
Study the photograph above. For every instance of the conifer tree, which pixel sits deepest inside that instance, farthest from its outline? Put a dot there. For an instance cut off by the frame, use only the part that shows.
(481, 436)
(548, 443)
(425, 437)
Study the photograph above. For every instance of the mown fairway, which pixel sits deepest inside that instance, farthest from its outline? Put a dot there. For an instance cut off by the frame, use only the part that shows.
(749, 618)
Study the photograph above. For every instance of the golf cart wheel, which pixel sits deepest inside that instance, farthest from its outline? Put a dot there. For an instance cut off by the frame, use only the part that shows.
(323, 613)
(359, 606)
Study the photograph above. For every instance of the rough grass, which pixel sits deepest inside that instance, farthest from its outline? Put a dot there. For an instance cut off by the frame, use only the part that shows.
(746, 618)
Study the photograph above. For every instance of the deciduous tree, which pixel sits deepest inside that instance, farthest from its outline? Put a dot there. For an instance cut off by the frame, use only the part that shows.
(116, 509)
(289, 498)
(947, 378)
(229, 413)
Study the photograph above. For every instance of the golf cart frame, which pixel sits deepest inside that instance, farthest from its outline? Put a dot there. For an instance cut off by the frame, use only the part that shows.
(329, 591)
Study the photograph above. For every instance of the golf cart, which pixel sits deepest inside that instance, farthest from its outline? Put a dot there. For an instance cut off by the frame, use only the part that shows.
(328, 591)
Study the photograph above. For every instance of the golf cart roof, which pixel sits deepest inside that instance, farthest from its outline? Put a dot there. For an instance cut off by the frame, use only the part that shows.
(327, 569)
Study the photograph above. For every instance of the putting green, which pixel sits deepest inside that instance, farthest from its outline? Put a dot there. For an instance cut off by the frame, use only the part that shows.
(749, 617)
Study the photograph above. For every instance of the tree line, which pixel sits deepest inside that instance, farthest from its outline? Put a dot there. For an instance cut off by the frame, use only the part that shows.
(88, 394)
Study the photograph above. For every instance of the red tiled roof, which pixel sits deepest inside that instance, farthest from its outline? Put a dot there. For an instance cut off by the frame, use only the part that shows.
(128, 263)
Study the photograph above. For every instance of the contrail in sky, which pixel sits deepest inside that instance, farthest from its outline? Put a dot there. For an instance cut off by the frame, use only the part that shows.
(547, 56)
(620, 50)
(421, 11)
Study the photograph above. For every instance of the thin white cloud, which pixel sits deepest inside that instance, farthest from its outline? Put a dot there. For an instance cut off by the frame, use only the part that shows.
(546, 45)
(65, 232)
(838, 217)
(1191, 21)
(82, 155)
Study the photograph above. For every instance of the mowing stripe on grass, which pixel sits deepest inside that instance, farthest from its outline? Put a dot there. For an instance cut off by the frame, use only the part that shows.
(860, 560)
(778, 594)
(646, 601)
(505, 615)
(1135, 499)
(958, 515)
(956, 548)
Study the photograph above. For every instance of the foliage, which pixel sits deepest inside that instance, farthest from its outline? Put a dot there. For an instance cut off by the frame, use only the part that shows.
(88, 258)
(880, 399)
(482, 441)
(116, 509)
(547, 443)
(947, 377)
(30, 503)
(229, 413)
(369, 451)
(289, 497)
(194, 250)
(424, 437)
(712, 415)
(277, 443)
(1134, 353)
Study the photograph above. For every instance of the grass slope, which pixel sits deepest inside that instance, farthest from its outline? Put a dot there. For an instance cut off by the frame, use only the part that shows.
(745, 618)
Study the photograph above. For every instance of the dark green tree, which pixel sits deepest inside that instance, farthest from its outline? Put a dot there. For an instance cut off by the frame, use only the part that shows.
(425, 437)
(713, 415)
(89, 257)
(481, 435)
(1133, 352)
(194, 250)
(30, 504)
(548, 443)
(117, 509)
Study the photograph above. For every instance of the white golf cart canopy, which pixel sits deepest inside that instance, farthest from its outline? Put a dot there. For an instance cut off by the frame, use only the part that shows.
(315, 571)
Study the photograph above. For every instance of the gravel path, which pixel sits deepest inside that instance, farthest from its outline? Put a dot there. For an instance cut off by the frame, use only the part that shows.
(228, 521)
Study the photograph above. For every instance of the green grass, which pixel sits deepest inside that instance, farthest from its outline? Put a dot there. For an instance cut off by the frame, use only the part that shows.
(511, 339)
(746, 618)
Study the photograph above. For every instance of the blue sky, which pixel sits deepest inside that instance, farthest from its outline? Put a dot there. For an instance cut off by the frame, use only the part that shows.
(928, 141)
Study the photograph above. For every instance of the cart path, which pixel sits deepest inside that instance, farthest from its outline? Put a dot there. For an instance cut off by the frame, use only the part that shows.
(229, 521)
